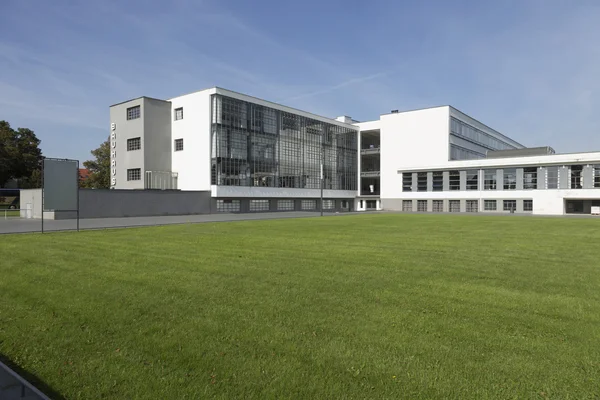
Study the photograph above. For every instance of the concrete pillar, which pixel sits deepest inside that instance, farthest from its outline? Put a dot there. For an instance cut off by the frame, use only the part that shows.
(499, 179)
(463, 180)
(414, 182)
(541, 178)
(446, 181)
(272, 205)
(564, 178)
(588, 177)
(520, 173)
(430, 181)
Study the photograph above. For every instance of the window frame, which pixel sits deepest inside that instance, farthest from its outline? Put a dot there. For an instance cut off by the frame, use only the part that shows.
(454, 184)
(490, 205)
(493, 185)
(175, 114)
(555, 184)
(437, 181)
(469, 183)
(422, 181)
(532, 185)
(529, 206)
(506, 203)
(132, 141)
(134, 112)
(506, 184)
(131, 174)
(176, 144)
(407, 181)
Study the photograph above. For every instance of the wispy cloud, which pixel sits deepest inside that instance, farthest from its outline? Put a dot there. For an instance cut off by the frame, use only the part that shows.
(349, 82)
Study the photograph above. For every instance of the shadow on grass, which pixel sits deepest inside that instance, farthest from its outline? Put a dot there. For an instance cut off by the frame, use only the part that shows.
(33, 379)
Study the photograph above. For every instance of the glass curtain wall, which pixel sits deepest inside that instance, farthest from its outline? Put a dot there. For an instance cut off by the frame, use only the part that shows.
(254, 145)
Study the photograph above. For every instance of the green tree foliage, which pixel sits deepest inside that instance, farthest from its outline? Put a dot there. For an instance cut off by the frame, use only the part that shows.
(20, 155)
(99, 168)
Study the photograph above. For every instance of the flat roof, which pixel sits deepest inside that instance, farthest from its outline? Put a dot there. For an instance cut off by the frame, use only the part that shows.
(137, 98)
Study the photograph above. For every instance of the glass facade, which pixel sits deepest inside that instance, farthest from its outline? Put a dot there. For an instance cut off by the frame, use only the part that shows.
(529, 178)
(468, 142)
(473, 179)
(597, 176)
(454, 179)
(407, 182)
(422, 182)
(510, 179)
(552, 177)
(576, 176)
(438, 181)
(254, 145)
(489, 179)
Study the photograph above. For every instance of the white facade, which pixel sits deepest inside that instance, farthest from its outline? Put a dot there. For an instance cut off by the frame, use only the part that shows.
(177, 140)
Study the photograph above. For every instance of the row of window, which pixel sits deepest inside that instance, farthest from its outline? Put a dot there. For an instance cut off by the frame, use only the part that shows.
(282, 205)
(471, 133)
(136, 144)
(470, 205)
(529, 179)
(136, 112)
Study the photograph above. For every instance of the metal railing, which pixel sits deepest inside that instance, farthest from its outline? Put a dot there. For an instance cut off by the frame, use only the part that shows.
(7, 213)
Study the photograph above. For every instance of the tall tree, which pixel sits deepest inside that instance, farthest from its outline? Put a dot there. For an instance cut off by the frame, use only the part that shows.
(20, 153)
(99, 168)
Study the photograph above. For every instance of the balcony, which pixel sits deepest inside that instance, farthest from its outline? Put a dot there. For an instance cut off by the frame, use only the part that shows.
(370, 174)
(370, 150)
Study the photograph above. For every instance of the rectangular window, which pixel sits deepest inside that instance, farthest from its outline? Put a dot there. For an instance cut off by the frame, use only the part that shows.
(509, 205)
(178, 144)
(438, 181)
(489, 179)
(407, 182)
(576, 176)
(437, 206)
(407, 205)
(454, 180)
(306, 205)
(422, 181)
(472, 206)
(552, 175)
(454, 206)
(133, 112)
(178, 113)
(134, 174)
(473, 180)
(259, 205)
(422, 205)
(529, 178)
(228, 206)
(597, 176)
(134, 144)
(527, 205)
(330, 204)
(510, 179)
(489, 205)
(285, 205)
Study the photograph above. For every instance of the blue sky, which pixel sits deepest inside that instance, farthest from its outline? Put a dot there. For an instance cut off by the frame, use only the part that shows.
(528, 68)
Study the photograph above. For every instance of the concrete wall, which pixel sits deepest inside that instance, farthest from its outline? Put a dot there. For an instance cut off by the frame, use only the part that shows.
(134, 203)
(121, 130)
(192, 163)
(31, 198)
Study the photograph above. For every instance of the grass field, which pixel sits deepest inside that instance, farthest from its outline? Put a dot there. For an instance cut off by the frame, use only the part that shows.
(370, 306)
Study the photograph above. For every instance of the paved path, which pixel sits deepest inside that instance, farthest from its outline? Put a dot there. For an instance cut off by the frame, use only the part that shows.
(19, 225)
(14, 387)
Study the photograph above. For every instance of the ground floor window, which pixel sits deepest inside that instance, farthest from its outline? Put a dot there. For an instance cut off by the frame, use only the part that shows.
(345, 205)
(472, 205)
(454, 206)
(259, 205)
(308, 205)
(285, 205)
(438, 206)
(527, 205)
(371, 204)
(422, 205)
(228, 206)
(407, 205)
(510, 205)
(489, 205)
(328, 204)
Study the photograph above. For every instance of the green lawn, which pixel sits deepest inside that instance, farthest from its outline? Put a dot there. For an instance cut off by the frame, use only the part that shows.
(370, 306)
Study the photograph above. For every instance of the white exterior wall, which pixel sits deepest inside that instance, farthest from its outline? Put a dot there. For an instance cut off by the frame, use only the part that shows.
(411, 139)
(193, 163)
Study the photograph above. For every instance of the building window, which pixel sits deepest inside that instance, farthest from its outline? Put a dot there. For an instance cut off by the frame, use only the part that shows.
(178, 144)
(259, 205)
(422, 181)
(576, 176)
(228, 206)
(407, 182)
(438, 181)
(510, 205)
(472, 206)
(134, 144)
(178, 113)
(422, 205)
(454, 206)
(454, 177)
(437, 206)
(134, 174)
(489, 205)
(489, 179)
(529, 178)
(510, 179)
(527, 205)
(473, 180)
(407, 205)
(133, 112)
(552, 175)
(597, 176)
(285, 205)
(330, 204)
(306, 205)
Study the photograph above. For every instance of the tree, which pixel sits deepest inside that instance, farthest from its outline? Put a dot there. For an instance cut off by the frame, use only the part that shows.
(20, 153)
(99, 177)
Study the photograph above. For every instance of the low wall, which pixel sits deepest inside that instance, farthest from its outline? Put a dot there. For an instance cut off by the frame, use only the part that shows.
(101, 203)
(104, 203)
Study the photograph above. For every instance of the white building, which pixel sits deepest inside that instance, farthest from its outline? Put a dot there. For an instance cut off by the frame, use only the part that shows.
(254, 155)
